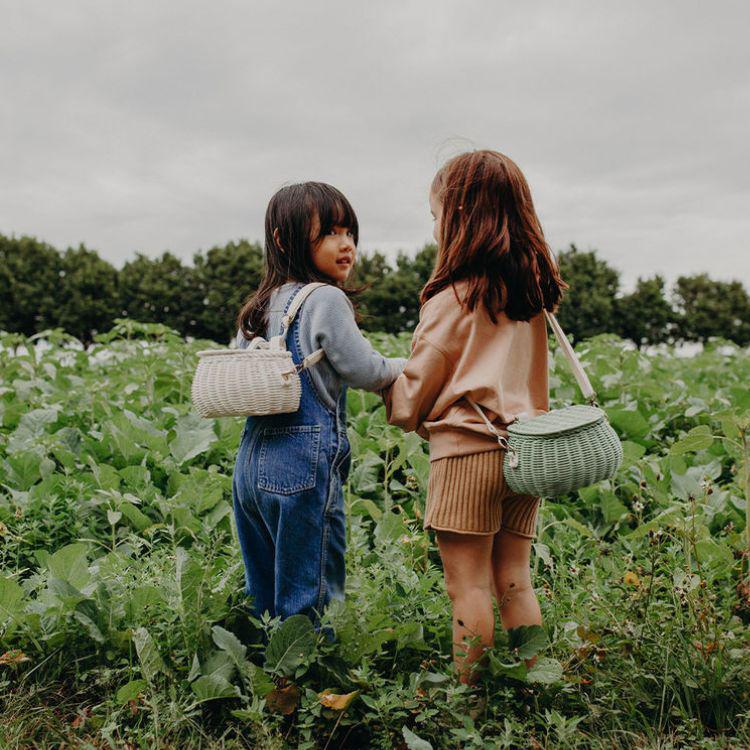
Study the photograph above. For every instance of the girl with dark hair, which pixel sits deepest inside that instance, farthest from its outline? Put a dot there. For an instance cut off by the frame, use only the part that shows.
(481, 335)
(290, 468)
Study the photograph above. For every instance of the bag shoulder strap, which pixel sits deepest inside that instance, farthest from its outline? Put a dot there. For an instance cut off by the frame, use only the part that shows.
(279, 342)
(299, 298)
(575, 364)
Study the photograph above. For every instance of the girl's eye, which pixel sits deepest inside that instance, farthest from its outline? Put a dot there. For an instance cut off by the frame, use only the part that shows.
(334, 232)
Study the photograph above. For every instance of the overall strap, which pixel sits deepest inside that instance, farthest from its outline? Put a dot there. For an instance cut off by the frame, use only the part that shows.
(279, 342)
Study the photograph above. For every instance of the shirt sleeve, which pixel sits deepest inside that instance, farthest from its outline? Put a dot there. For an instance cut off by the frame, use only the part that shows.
(240, 340)
(352, 356)
(412, 396)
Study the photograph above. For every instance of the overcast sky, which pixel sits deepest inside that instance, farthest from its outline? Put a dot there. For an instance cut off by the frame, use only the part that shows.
(168, 124)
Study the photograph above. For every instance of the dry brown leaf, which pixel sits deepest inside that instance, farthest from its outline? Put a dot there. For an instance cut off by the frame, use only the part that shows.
(283, 700)
(13, 657)
(335, 701)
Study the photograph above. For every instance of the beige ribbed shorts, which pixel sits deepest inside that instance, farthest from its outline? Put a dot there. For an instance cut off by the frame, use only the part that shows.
(468, 494)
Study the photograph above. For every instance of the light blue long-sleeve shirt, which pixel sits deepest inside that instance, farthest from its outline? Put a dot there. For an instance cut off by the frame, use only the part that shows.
(326, 321)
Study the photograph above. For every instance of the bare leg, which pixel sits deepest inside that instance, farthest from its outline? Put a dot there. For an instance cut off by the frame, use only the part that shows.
(468, 579)
(511, 570)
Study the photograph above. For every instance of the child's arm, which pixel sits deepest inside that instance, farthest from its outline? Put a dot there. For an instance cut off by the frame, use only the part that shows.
(412, 396)
(347, 350)
(436, 345)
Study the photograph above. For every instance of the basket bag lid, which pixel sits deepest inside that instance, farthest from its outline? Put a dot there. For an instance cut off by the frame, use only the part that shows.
(557, 421)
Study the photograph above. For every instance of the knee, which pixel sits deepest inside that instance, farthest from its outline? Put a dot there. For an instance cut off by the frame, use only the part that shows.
(463, 589)
(511, 583)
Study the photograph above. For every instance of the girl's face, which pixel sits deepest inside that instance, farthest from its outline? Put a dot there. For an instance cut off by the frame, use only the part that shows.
(436, 209)
(334, 253)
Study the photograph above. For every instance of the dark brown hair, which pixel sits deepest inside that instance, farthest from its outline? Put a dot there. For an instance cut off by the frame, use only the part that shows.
(491, 236)
(296, 211)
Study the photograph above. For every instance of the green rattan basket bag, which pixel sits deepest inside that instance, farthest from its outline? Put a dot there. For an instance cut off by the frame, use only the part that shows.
(564, 449)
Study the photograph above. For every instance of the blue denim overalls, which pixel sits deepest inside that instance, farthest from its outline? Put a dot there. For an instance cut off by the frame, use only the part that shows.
(289, 501)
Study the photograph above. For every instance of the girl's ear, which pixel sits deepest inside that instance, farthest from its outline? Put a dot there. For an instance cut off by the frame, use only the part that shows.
(276, 239)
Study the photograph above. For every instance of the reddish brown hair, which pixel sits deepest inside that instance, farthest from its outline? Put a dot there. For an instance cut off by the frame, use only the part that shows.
(491, 236)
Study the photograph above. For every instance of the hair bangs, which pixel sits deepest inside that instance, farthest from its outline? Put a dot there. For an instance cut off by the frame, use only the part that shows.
(333, 210)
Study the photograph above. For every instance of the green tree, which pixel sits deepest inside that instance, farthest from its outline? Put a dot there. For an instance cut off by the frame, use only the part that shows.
(712, 308)
(424, 262)
(160, 290)
(589, 304)
(372, 272)
(391, 303)
(225, 277)
(87, 296)
(29, 284)
(645, 315)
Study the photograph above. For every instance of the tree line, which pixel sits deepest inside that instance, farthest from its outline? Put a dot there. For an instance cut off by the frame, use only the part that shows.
(80, 292)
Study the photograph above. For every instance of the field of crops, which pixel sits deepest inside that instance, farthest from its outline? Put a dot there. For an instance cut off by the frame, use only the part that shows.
(122, 620)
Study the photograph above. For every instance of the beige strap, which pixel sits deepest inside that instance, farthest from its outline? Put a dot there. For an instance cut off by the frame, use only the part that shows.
(279, 342)
(501, 439)
(311, 359)
(575, 364)
(308, 361)
(299, 298)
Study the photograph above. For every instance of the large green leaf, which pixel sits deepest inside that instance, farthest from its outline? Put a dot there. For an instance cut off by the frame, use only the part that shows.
(11, 600)
(148, 654)
(527, 640)
(364, 475)
(546, 671)
(612, 508)
(229, 643)
(130, 691)
(26, 468)
(31, 426)
(629, 422)
(698, 439)
(213, 687)
(70, 564)
(193, 437)
(291, 643)
(189, 576)
(414, 742)
(137, 518)
(142, 597)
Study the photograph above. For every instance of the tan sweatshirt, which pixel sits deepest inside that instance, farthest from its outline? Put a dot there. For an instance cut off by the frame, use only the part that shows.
(455, 353)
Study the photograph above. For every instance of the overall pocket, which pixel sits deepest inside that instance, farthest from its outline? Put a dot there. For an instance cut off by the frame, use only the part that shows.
(288, 459)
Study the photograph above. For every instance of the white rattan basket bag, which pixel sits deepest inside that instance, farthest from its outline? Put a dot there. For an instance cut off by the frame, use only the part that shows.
(261, 379)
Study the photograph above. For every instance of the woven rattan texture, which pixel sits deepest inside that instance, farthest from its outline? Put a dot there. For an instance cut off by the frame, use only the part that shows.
(560, 463)
(558, 421)
(242, 383)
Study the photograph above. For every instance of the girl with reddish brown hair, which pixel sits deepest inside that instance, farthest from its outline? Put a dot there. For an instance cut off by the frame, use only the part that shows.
(482, 336)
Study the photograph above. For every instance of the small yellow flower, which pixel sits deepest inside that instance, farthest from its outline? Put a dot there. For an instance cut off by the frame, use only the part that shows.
(631, 579)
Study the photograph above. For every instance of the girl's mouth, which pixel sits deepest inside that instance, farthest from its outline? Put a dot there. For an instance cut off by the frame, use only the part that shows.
(344, 262)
